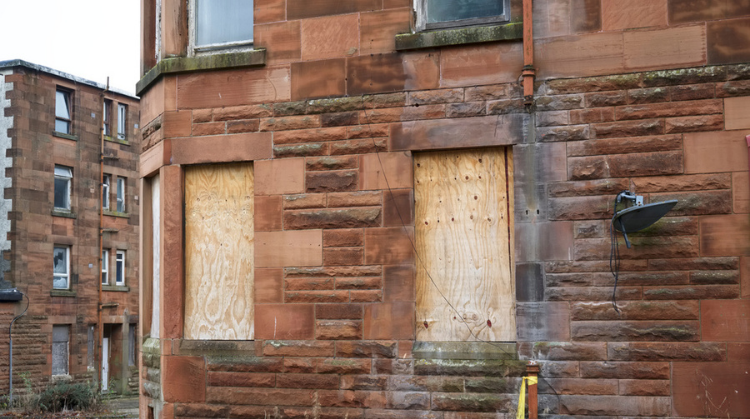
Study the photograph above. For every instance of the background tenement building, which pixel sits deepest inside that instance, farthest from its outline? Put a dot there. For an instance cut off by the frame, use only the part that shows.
(51, 136)
(343, 202)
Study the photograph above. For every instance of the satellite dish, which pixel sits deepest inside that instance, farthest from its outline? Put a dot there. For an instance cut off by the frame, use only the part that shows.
(638, 217)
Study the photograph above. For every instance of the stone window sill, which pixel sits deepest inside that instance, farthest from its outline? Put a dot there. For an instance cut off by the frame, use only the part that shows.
(459, 36)
(66, 136)
(62, 293)
(63, 213)
(115, 288)
(116, 214)
(116, 140)
(256, 57)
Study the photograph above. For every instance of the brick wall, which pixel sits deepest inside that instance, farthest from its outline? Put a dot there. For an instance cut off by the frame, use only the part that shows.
(653, 110)
(34, 230)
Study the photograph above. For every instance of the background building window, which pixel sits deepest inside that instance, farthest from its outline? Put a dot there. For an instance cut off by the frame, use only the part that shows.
(63, 112)
(223, 22)
(120, 268)
(61, 265)
(105, 267)
(435, 14)
(60, 340)
(120, 194)
(107, 117)
(105, 191)
(63, 178)
(122, 117)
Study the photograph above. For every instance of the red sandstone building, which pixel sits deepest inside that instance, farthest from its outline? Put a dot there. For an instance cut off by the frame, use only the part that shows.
(344, 202)
(53, 211)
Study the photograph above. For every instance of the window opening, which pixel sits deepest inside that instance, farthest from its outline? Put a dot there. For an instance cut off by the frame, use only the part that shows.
(63, 178)
(61, 267)
(63, 112)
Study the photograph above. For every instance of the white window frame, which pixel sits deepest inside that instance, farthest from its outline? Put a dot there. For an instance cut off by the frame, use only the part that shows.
(69, 105)
(66, 274)
(67, 350)
(120, 273)
(122, 118)
(106, 184)
(105, 267)
(63, 176)
(121, 196)
(420, 7)
(194, 48)
(107, 117)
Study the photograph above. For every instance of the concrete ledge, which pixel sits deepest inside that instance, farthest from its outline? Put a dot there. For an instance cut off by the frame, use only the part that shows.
(63, 213)
(64, 135)
(116, 288)
(62, 293)
(255, 57)
(459, 36)
(464, 350)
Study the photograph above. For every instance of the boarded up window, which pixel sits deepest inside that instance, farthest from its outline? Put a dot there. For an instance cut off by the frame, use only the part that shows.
(219, 235)
(60, 338)
(463, 236)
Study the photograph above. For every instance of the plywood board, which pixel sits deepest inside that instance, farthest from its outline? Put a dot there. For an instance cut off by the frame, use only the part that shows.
(463, 236)
(219, 240)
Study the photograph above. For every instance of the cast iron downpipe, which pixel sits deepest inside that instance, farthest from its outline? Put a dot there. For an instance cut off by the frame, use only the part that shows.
(529, 72)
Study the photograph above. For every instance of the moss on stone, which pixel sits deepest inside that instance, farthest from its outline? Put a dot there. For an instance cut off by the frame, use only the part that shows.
(460, 36)
(205, 62)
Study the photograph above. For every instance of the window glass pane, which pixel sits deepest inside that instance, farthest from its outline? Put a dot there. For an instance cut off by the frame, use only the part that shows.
(105, 192)
(63, 171)
(62, 126)
(105, 267)
(121, 118)
(120, 195)
(120, 267)
(62, 105)
(105, 116)
(448, 10)
(62, 197)
(221, 21)
(61, 260)
(60, 268)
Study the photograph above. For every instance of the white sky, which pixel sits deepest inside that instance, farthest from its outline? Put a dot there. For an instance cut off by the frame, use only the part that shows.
(92, 39)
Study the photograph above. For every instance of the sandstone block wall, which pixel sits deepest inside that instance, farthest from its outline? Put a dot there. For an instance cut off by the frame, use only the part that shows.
(648, 99)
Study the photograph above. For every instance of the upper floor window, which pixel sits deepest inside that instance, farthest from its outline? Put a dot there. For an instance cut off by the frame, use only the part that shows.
(61, 267)
(107, 117)
(120, 268)
(437, 14)
(122, 117)
(120, 194)
(105, 191)
(105, 267)
(221, 23)
(63, 112)
(63, 179)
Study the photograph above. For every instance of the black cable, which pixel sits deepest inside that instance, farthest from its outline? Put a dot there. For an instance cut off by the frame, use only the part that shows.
(614, 252)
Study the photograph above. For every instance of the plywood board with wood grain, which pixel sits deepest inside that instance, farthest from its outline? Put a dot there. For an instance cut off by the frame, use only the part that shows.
(219, 240)
(463, 237)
